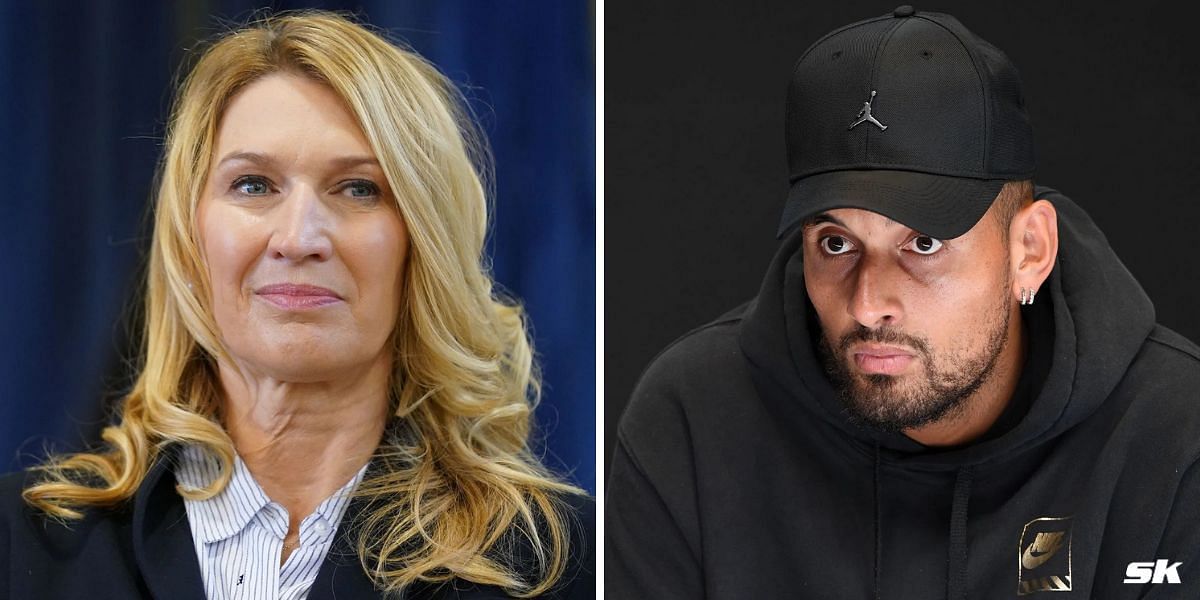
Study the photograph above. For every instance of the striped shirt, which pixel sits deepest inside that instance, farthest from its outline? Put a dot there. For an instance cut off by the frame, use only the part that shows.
(239, 533)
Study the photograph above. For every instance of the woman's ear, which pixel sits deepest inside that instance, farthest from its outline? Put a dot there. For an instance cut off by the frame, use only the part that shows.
(1033, 247)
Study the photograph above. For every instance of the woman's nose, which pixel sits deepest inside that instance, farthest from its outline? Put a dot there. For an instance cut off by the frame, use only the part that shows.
(302, 227)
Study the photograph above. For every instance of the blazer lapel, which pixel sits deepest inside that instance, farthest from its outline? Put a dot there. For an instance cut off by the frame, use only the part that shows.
(166, 553)
(162, 537)
(341, 575)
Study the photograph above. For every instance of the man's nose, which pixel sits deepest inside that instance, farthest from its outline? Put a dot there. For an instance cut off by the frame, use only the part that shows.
(874, 301)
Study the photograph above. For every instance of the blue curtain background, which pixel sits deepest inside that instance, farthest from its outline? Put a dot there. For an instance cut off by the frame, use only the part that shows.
(85, 89)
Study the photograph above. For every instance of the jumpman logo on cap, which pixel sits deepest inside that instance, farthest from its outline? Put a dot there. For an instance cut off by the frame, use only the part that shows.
(864, 115)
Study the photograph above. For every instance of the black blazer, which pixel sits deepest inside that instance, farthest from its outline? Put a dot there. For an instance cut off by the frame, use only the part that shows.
(143, 549)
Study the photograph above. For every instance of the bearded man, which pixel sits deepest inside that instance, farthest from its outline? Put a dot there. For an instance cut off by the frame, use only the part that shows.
(948, 385)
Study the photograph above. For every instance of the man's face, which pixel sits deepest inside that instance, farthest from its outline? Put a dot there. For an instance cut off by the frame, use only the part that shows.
(911, 326)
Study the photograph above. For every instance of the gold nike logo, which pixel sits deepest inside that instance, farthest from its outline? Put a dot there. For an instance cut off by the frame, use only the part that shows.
(1042, 549)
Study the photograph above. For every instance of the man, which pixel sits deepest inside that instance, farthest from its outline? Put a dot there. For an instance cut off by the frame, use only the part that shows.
(948, 385)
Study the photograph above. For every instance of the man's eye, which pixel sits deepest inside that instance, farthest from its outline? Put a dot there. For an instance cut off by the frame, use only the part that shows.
(923, 244)
(252, 186)
(834, 244)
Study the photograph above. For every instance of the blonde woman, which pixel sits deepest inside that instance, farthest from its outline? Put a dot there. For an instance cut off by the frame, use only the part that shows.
(332, 401)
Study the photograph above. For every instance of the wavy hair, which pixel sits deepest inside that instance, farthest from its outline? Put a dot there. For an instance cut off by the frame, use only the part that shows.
(458, 489)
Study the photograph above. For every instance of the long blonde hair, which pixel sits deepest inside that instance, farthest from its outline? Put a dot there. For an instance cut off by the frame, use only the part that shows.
(458, 482)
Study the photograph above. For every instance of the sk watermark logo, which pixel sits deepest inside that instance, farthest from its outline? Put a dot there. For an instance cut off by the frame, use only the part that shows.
(1044, 556)
(1159, 571)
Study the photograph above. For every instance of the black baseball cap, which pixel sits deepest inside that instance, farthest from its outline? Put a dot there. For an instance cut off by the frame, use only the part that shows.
(909, 115)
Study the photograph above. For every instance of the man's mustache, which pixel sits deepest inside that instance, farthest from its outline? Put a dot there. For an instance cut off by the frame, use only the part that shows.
(882, 335)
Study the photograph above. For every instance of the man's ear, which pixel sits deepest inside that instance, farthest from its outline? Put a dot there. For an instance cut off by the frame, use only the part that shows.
(1033, 245)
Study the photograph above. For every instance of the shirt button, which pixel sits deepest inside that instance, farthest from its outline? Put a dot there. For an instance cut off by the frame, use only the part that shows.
(321, 527)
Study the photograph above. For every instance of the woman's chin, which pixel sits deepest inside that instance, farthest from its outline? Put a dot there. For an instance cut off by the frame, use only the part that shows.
(301, 361)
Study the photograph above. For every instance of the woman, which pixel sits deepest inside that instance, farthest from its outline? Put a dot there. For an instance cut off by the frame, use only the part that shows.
(331, 401)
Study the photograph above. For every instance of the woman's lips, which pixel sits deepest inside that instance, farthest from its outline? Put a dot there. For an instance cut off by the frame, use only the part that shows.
(297, 296)
(882, 361)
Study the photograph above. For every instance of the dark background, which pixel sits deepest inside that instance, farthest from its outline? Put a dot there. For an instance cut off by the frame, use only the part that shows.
(85, 89)
(696, 172)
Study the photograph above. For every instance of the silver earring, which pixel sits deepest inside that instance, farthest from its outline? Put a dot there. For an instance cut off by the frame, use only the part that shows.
(1027, 296)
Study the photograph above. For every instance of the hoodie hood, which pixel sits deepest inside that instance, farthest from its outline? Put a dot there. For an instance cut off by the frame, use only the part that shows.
(1101, 318)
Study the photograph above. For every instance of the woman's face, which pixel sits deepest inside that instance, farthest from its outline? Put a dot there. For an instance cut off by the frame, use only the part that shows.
(304, 246)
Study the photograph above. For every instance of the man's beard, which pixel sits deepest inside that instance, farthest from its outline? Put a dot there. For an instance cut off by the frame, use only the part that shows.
(886, 403)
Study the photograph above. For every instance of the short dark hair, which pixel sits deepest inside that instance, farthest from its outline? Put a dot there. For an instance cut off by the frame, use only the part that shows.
(1014, 196)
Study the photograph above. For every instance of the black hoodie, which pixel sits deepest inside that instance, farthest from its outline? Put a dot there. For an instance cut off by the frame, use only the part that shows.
(738, 475)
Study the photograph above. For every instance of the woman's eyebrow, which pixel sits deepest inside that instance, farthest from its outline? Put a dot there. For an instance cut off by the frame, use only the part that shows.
(346, 162)
(258, 158)
(253, 157)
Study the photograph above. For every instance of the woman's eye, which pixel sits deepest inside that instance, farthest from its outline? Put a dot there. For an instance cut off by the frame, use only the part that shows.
(361, 189)
(252, 186)
(834, 244)
(923, 244)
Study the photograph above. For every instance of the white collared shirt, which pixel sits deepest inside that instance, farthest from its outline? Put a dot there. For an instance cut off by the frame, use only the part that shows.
(239, 533)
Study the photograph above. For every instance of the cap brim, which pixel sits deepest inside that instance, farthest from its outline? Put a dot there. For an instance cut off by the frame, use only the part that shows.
(939, 206)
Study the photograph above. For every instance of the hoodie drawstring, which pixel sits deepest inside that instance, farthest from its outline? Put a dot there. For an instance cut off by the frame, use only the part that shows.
(956, 560)
(878, 526)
